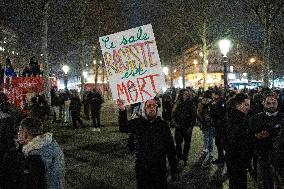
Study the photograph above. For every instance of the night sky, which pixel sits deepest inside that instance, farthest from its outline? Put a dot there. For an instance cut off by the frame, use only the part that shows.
(174, 24)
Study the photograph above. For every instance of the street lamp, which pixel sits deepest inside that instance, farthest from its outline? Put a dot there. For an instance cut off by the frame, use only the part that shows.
(252, 60)
(224, 46)
(65, 69)
(166, 70)
(85, 74)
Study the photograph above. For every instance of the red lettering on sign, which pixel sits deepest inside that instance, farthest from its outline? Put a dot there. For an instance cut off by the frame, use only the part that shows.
(153, 82)
(132, 87)
(121, 90)
(142, 86)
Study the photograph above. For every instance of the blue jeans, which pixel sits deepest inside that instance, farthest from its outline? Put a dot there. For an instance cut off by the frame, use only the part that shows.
(209, 134)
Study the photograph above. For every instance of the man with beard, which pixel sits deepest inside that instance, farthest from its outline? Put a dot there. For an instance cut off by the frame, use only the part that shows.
(152, 144)
(265, 127)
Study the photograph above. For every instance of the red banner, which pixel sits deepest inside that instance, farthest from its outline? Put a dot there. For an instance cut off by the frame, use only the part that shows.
(18, 87)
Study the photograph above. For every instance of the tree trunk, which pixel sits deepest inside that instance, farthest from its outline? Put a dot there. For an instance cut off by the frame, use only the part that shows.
(266, 54)
(103, 79)
(82, 65)
(97, 69)
(183, 72)
(205, 56)
(45, 51)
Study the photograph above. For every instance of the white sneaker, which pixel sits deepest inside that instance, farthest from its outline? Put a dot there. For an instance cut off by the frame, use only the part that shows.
(94, 129)
(98, 129)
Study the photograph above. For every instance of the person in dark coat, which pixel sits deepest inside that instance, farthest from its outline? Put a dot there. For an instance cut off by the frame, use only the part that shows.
(40, 108)
(217, 112)
(238, 144)
(2, 74)
(96, 101)
(204, 112)
(184, 115)
(167, 105)
(34, 67)
(8, 133)
(55, 103)
(27, 72)
(8, 130)
(257, 104)
(86, 104)
(75, 109)
(153, 143)
(266, 129)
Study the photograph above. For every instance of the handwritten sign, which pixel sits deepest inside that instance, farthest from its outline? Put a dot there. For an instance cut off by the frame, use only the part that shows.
(133, 65)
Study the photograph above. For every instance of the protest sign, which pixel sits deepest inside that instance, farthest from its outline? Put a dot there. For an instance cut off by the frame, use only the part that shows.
(133, 65)
(18, 87)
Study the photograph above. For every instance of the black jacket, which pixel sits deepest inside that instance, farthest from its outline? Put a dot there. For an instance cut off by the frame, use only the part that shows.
(152, 143)
(75, 104)
(271, 124)
(20, 171)
(7, 133)
(185, 114)
(218, 111)
(95, 100)
(237, 140)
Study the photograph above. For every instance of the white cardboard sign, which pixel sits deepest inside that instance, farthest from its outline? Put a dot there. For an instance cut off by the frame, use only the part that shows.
(133, 65)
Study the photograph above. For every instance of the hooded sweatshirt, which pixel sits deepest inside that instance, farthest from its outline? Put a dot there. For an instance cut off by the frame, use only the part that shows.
(47, 150)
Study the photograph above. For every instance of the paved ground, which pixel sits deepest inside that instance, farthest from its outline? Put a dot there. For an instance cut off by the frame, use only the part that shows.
(102, 160)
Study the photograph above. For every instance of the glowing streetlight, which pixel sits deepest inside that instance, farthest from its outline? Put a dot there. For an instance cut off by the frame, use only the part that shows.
(65, 69)
(85, 74)
(252, 60)
(225, 46)
(166, 70)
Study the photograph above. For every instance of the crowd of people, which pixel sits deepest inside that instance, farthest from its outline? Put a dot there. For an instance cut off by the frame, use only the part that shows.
(32, 69)
(29, 155)
(247, 127)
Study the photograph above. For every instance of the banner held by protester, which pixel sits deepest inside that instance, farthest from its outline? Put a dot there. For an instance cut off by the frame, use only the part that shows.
(133, 65)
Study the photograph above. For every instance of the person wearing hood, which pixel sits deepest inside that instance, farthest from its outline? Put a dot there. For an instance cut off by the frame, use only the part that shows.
(44, 160)
(152, 144)
(266, 128)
